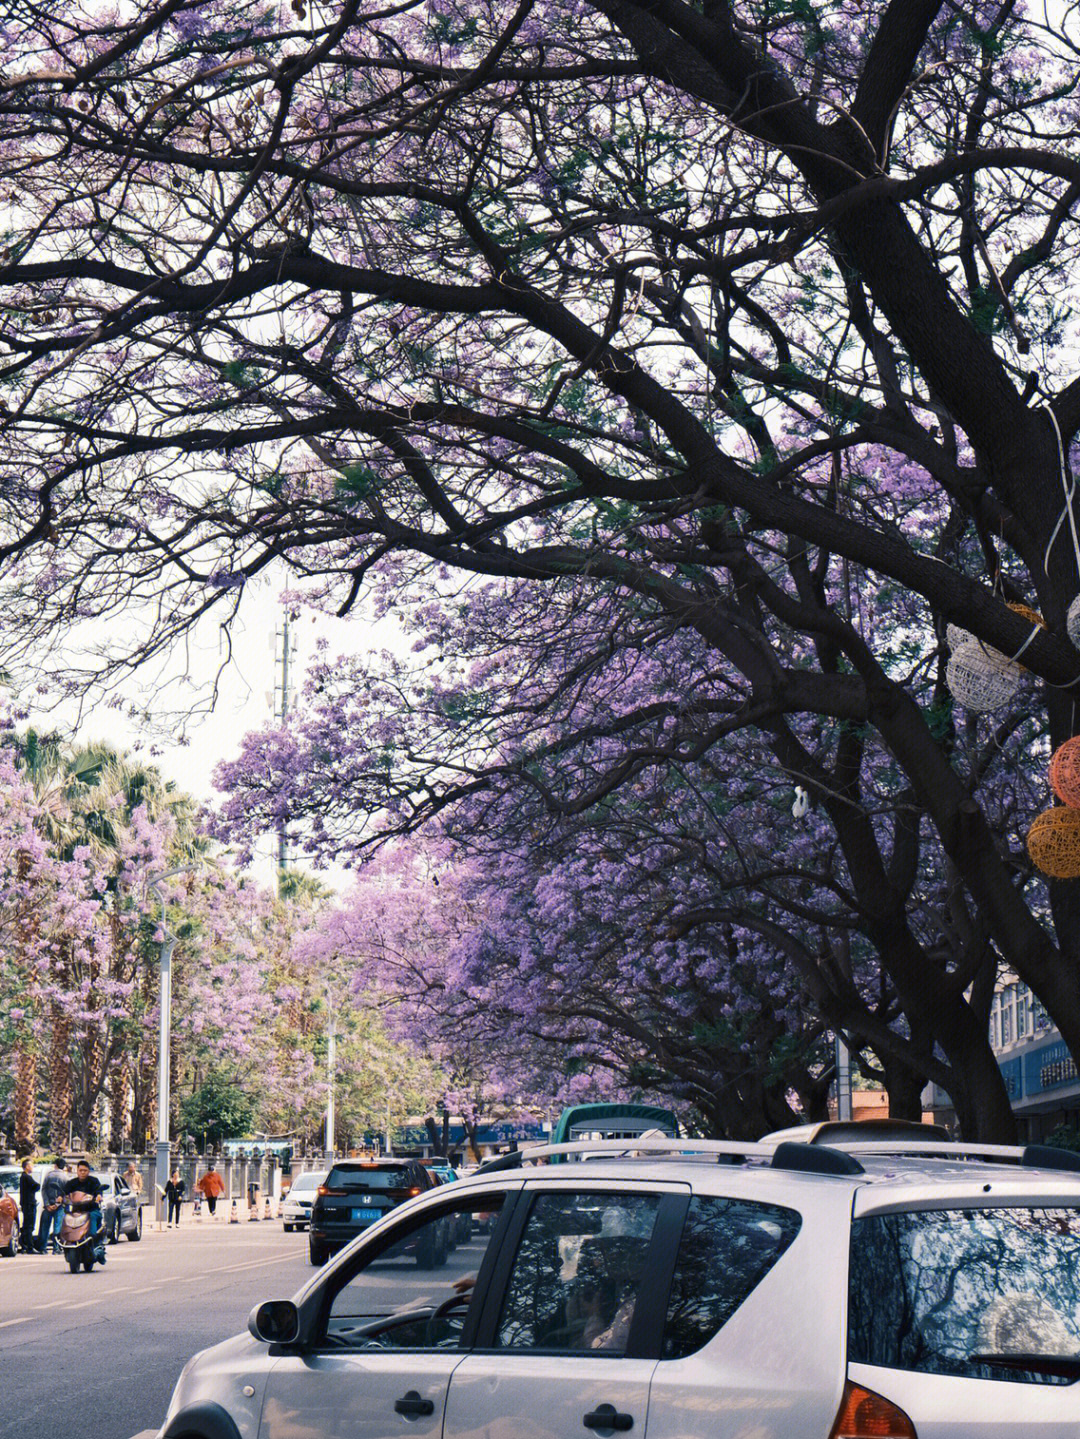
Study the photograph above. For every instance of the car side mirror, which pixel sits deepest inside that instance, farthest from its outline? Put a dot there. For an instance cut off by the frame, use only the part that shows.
(275, 1321)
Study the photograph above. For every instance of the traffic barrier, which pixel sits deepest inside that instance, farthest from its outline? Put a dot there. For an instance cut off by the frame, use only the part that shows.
(267, 1212)
(234, 1217)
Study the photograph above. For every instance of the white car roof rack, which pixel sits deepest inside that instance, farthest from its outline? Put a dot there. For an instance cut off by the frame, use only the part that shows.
(836, 1158)
(816, 1159)
(1031, 1156)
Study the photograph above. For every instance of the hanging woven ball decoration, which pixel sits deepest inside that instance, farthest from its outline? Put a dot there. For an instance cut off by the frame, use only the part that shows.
(1072, 623)
(1065, 772)
(980, 678)
(955, 636)
(1054, 843)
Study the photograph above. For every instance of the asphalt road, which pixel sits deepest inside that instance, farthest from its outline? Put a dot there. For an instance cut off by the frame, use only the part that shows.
(99, 1353)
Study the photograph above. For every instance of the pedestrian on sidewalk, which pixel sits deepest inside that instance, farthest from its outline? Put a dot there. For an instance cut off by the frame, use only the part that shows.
(212, 1187)
(52, 1207)
(174, 1193)
(28, 1189)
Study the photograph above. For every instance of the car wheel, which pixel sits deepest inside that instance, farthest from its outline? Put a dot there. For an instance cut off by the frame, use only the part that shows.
(136, 1233)
(427, 1256)
(317, 1253)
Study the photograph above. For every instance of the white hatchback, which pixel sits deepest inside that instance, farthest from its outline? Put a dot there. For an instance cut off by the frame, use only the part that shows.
(690, 1290)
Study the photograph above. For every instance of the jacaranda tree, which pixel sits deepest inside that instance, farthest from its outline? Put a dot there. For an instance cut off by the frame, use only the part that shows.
(741, 318)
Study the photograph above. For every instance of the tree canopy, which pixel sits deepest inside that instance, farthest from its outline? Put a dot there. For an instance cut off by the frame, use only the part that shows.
(741, 332)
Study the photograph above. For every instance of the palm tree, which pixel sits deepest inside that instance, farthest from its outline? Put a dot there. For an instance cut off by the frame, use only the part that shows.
(56, 776)
(121, 1054)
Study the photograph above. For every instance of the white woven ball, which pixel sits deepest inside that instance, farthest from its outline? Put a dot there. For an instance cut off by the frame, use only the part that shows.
(981, 678)
(955, 636)
(1072, 622)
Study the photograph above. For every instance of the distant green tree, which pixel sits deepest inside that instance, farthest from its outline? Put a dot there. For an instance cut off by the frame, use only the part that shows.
(218, 1109)
(1065, 1136)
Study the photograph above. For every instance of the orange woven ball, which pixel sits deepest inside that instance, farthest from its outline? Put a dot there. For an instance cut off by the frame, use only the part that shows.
(1065, 772)
(1054, 843)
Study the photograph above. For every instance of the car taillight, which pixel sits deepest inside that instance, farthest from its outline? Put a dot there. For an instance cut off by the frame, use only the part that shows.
(414, 1190)
(323, 1190)
(866, 1415)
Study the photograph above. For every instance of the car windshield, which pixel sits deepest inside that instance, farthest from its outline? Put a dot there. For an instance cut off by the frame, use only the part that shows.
(982, 1293)
(372, 1177)
(306, 1182)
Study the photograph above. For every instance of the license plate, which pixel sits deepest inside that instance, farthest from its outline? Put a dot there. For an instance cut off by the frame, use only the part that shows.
(365, 1216)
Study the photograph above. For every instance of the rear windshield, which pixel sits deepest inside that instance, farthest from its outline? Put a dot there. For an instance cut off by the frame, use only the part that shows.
(983, 1293)
(374, 1178)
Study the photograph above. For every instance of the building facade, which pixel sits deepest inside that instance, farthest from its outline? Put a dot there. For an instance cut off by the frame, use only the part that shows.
(1039, 1072)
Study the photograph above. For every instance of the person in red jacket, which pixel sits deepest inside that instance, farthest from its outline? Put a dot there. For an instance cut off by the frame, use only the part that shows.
(212, 1188)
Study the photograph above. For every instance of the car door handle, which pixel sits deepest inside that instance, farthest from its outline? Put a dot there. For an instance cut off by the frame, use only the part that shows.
(411, 1403)
(606, 1416)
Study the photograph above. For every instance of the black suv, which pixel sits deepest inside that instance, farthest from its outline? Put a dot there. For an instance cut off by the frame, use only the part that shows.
(357, 1193)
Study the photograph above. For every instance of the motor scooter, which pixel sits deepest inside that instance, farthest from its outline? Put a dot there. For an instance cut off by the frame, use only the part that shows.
(9, 1226)
(78, 1242)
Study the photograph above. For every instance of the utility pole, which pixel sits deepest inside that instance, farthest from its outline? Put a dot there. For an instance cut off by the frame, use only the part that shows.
(331, 1057)
(162, 1153)
(284, 653)
(843, 1079)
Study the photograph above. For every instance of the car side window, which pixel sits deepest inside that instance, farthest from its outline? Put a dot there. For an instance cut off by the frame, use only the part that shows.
(577, 1272)
(415, 1292)
(727, 1248)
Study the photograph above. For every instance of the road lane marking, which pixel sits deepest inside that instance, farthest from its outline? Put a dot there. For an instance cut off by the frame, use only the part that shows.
(86, 1302)
(147, 1289)
(53, 1305)
(25, 1319)
(253, 1264)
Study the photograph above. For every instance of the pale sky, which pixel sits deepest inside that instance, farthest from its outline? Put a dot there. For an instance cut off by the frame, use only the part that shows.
(244, 701)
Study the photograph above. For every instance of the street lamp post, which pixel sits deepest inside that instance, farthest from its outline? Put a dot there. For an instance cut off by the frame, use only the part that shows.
(331, 1057)
(162, 1151)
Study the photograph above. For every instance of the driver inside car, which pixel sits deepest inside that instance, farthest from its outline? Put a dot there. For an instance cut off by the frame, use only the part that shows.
(602, 1294)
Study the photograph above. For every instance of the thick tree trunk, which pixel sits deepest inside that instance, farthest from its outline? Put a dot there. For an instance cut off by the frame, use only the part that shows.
(904, 1087)
(120, 1104)
(60, 1087)
(145, 1100)
(25, 1100)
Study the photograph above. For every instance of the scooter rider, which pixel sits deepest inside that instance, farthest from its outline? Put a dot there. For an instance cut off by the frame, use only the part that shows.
(88, 1187)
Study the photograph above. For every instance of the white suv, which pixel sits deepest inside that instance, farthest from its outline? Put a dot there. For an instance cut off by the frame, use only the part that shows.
(690, 1289)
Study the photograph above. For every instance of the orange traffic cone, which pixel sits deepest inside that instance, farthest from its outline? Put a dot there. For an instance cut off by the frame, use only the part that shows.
(234, 1217)
(267, 1213)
